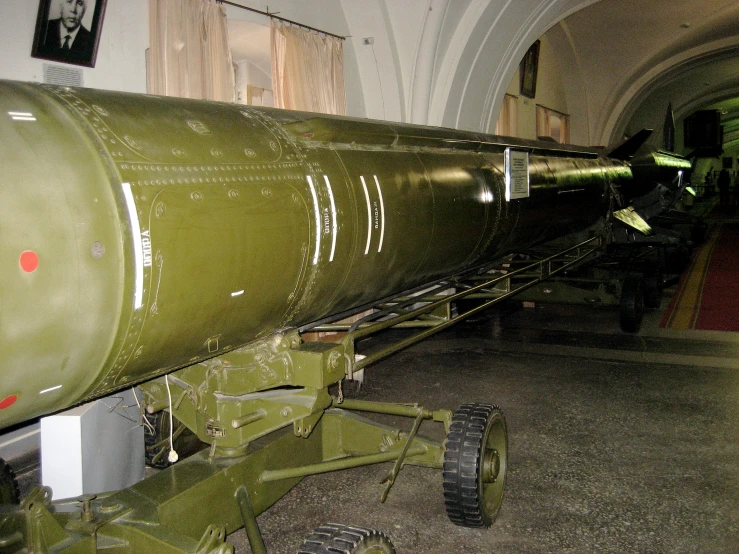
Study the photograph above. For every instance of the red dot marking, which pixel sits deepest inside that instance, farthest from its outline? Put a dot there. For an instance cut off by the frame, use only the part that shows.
(8, 401)
(29, 261)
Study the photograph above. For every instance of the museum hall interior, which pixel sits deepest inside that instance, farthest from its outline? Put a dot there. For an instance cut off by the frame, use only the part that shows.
(369, 276)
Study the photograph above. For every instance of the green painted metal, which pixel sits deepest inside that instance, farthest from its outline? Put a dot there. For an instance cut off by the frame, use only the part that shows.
(545, 268)
(384, 408)
(335, 465)
(181, 245)
(190, 506)
(250, 522)
(170, 231)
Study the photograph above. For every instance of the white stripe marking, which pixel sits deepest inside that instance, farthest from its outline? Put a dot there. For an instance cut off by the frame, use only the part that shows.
(369, 215)
(23, 118)
(382, 213)
(317, 210)
(138, 255)
(50, 389)
(237, 293)
(21, 114)
(335, 224)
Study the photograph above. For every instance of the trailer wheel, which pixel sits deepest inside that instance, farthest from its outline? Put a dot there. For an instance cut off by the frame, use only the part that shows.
(632, 303)
(333, 538)
(9, 491)
(653, 281)
(156, 440)
(475, 458)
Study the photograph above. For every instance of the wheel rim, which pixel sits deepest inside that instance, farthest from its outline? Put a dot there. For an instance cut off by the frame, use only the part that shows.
(376, 550)
(493, 465)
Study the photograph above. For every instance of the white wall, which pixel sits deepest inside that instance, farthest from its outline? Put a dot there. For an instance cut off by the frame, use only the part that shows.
(550, 93)
(444, 62)
(121, 63)
(437, 62)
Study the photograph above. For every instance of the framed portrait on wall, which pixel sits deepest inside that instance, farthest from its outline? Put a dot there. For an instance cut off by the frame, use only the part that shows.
(68, 31)
(529, 69)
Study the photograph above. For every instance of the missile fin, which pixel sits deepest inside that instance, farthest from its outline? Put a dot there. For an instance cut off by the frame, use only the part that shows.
(629, 216)
(626, 150)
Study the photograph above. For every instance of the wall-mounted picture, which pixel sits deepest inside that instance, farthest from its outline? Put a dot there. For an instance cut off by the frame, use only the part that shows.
(68, 31)
(529, 69)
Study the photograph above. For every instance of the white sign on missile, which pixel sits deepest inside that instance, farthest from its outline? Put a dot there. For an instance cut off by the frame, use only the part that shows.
(516, 174)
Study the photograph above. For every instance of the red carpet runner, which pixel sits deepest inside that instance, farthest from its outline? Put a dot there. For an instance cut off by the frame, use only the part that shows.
(707, 297)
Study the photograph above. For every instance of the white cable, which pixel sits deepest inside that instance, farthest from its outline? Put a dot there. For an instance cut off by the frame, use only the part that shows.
(173, 456)
(144, 419)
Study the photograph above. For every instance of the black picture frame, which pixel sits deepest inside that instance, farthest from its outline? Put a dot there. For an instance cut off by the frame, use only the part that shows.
(48, 39)
(529, 70)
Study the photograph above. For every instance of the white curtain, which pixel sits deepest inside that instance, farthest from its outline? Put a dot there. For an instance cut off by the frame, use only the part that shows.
(307, 70)
(189, 51)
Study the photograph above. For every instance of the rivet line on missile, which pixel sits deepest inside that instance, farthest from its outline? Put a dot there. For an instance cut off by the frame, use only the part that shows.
(369, 215)
(50, 389)
(138, 252)
(317, 211)
(334, 224)
(382, 213)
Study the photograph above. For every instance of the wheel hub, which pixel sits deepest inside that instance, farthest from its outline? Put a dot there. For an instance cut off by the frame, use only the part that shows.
(490, 466)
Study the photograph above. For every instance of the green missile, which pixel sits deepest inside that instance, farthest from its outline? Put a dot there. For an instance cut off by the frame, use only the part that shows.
(143, 234)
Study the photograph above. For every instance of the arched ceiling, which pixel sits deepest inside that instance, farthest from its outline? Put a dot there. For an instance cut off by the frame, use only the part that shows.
(637, 56)
(449, 62)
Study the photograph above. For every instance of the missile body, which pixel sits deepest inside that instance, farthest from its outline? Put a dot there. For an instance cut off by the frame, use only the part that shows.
(143, 234)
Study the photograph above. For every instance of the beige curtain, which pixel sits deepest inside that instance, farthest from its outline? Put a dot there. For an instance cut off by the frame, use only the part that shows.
(507, 124)
(189, 52)
(552, 124)
(307, 70)
(542, 122)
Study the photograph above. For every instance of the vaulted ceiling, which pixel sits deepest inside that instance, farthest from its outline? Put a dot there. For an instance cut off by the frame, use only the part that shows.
(637, 56)
(449, 62)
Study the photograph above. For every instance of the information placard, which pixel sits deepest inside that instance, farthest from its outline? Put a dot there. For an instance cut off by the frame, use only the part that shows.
(516, 174)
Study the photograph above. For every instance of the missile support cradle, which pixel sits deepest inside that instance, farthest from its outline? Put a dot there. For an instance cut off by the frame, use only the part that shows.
(183, 246)
(283, 383)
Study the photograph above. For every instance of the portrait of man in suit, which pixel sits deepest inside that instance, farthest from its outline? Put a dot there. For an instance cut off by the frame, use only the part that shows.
(67, 30)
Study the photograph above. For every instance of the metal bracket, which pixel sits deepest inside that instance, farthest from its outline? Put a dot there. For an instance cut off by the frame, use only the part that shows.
(390, 478)
(212, 542)
(43, 531)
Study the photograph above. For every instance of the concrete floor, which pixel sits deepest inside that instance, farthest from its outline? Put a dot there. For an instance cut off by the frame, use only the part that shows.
(617, 443)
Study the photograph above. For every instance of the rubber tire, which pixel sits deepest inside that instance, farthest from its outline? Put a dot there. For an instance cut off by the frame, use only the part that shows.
(9, 491)
(471, 500)
(653, 284)
(632, 303)
(333, 538)
(186, 444)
